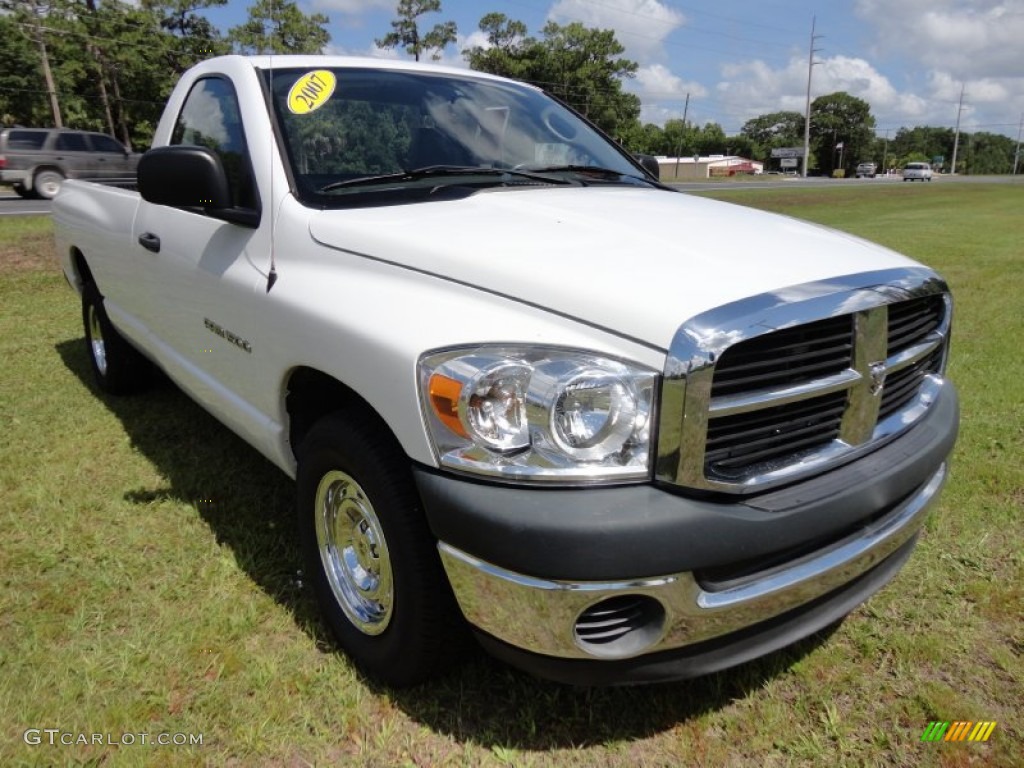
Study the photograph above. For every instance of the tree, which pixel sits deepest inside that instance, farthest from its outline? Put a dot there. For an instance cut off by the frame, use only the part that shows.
(988, 153)
(108, 61)
(681, 139)
(509, 51)
(711, 140)
(29, 17)
(23, 97)
(195, 38)
(579, 65)
(775, 129)
(920, 144)
(647, 139)
(405, 30)
(278, 26)
(841, 119)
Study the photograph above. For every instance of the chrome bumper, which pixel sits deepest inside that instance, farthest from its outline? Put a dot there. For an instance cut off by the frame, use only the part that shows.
(543, 616)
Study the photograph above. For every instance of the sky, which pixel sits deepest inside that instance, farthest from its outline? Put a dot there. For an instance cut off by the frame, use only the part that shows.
(738, 59)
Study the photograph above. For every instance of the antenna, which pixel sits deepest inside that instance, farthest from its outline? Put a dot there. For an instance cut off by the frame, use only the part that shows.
(272, 274)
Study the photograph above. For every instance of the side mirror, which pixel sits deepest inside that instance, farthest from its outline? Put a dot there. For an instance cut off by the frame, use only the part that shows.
(649, 164)
(186, 176)
(183, 177)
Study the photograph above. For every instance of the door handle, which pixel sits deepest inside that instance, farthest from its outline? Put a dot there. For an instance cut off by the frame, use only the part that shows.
(150, 242)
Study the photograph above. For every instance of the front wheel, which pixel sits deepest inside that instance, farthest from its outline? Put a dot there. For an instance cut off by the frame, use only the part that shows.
(117, 366)
(371, 558)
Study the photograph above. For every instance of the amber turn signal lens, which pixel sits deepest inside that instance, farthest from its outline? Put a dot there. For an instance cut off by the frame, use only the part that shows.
(444, 398)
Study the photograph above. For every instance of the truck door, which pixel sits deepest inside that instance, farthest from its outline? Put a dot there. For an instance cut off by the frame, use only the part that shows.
(202, 313)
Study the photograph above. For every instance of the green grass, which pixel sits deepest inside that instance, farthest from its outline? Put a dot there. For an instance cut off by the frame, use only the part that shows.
(149, 577)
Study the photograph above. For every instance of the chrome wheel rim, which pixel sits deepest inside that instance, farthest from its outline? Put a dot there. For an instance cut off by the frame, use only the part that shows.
(96, 343)
(354, 553)
(49, 185)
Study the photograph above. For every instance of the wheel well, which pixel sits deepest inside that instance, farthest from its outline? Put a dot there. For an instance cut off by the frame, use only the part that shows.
(40, 168)
(312, 394)
(82, 273)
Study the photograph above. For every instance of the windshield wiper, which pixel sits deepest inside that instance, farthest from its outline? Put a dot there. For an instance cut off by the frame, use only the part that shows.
(432, 171)
(596, 170)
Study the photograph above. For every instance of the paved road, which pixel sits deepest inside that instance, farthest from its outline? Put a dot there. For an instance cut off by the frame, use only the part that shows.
(823, 183)
(12, 205)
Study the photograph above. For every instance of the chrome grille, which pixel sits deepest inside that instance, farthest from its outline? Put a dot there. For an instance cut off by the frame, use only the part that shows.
(736, 443)
(910, 322)
(902, 386)
(774, 388)
(785, 357)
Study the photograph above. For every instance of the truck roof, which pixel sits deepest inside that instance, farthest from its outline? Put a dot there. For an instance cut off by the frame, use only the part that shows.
(312, 61)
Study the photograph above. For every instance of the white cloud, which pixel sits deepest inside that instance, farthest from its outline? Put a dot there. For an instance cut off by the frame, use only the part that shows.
(451, 56)
(656, 81)
(640, 25)
(353, 7)
(662, 93)
(753, 88)
(971, 39)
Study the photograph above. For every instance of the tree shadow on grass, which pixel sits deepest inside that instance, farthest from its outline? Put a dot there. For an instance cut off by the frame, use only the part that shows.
(248, 504)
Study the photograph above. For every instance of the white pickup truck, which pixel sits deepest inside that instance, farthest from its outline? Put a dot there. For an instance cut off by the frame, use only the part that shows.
(622, 433)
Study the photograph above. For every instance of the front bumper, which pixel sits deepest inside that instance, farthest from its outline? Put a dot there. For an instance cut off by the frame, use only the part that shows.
(563, 580)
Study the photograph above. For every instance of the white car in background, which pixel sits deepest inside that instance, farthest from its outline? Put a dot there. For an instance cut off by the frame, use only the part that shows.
(917, 171)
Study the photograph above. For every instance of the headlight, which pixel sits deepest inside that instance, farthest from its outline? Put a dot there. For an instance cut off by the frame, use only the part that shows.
(539, 414)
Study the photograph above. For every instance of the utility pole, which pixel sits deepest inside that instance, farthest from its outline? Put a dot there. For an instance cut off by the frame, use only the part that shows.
(956, 137)
(885, 154)
(807, 105)
(38, 38)
(1016, 155)
(679, 148)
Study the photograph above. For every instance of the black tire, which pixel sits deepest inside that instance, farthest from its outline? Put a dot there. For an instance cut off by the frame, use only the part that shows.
(46, 183)
(117, 367)
(361, 522)
(20, 191)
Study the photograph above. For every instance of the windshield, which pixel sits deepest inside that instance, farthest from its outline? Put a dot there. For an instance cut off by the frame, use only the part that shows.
(352, 133)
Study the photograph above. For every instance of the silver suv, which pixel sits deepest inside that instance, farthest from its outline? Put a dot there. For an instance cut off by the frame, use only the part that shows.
(37, 160)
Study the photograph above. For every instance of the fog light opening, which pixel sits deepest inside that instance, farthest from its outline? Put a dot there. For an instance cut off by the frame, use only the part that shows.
(620, 627)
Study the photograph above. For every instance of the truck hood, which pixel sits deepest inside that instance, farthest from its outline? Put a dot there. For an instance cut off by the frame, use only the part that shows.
(637, 262)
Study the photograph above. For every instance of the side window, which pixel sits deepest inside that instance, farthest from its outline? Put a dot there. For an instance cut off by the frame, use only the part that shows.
(101, 143)
(211, 118)
(26, 140)
(71, 142)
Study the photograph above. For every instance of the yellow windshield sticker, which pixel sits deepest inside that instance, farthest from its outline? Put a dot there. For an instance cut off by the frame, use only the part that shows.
(311, 91)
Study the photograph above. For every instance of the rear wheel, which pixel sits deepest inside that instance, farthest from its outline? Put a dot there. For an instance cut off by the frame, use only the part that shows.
(372, 560)
(20, 191)
(117, 366)
(47, 183)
